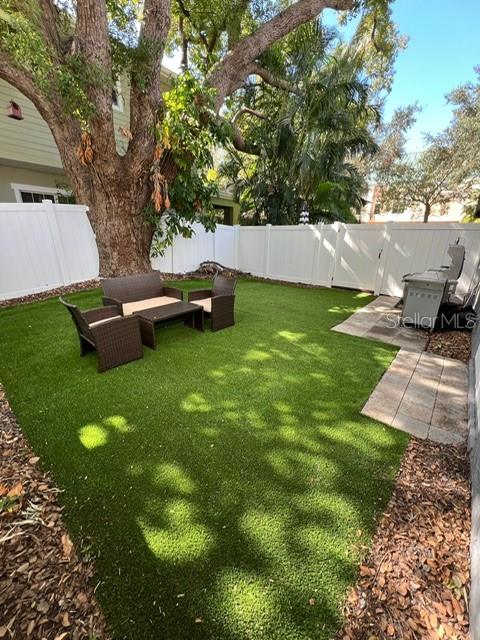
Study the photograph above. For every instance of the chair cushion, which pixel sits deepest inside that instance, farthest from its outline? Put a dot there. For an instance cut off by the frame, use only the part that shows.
(130, 307)
(206, 303)
(95, 324)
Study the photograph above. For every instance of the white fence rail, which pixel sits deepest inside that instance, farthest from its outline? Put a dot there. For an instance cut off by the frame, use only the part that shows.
(43, 246)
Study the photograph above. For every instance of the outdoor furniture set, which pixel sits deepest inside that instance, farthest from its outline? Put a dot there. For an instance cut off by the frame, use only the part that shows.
(136, 305)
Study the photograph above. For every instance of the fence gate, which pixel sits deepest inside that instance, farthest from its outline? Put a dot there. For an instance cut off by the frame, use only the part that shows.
(357, 257)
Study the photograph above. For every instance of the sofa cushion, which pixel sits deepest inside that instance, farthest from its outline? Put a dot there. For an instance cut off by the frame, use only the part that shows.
(95, 324)
(206, 303)
(130, 307)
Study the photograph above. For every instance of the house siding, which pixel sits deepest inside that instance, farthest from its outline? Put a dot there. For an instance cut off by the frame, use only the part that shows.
(29, 141)
(20, 175)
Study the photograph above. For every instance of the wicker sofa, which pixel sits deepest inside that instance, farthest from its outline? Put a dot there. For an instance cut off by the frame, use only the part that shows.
(217, 302)
(117, 340)
(135, 293)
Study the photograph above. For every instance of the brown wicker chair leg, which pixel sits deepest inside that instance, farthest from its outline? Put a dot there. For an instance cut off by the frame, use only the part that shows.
(85, 346)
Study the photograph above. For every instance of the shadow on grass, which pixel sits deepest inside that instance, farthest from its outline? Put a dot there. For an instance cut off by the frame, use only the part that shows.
(224, 482)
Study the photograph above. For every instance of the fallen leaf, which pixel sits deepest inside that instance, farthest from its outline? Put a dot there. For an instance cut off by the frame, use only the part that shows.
(15, 491)
(67, 545)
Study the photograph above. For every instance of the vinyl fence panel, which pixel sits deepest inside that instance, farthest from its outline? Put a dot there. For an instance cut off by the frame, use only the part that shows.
(252, 250)
(77, 241)
(224, 245)
(291, 253)
(416, 247)
(43, 246)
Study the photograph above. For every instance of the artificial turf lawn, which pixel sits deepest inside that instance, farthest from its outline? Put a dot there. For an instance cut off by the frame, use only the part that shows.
(227, 478)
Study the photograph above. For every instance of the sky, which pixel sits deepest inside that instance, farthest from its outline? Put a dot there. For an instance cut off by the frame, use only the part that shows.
(443, 48)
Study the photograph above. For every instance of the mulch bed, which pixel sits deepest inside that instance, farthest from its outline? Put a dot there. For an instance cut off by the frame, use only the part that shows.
(415, 582)
(450, 344)
(51, 293)
(44, 586)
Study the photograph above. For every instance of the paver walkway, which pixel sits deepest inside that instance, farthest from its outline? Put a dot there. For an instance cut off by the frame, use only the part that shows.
(421, 393)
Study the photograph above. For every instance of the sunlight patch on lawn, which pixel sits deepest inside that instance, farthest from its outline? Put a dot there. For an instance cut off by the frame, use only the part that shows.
(246, 603)
(171, 476)
(265, 530)
(183, 541)
(196, 403)
(255, 355)
(291, 336)
(93, 436)
(119, 423)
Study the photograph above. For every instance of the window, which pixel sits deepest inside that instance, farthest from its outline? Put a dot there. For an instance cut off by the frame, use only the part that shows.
(117, 100)
(30, 193)
(32, 196)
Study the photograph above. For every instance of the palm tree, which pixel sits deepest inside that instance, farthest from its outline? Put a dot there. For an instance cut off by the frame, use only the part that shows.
(309, 133)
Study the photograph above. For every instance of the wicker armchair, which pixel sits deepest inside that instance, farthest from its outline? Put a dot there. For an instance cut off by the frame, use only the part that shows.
(134, 293)
(218, 302)
(116, 339)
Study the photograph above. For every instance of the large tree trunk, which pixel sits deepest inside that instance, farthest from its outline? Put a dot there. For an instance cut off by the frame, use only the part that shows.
(426, 212)
(122, 235)
(116, 198)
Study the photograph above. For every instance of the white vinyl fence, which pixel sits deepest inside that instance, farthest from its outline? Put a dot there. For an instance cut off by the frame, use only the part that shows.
(43, 246)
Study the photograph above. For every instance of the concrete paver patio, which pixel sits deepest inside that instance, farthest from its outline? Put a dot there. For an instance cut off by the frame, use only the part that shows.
(421, 393)
(380, 320)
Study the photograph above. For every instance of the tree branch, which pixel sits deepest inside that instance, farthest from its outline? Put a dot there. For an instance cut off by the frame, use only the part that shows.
(268, 77)
(146, 97)
(49, 24)
(240, 143)
(244, 110)
(23, 81)
(230, 73)
(91, 35)
(187, 14)
(65, 129)
(93, 41)
(184, 61)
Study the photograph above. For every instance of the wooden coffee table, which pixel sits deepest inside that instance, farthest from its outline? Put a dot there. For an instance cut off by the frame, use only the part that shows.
(192, 315)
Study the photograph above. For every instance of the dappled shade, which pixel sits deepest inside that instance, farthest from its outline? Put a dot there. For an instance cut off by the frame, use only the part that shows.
(226, 484)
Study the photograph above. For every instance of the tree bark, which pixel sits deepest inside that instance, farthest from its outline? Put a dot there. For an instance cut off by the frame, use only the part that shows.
(116, 195)
(426, 212)
(123, 239)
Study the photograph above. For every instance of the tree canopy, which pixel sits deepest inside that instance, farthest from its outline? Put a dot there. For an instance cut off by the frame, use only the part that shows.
(66, 57)
(447, 170)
